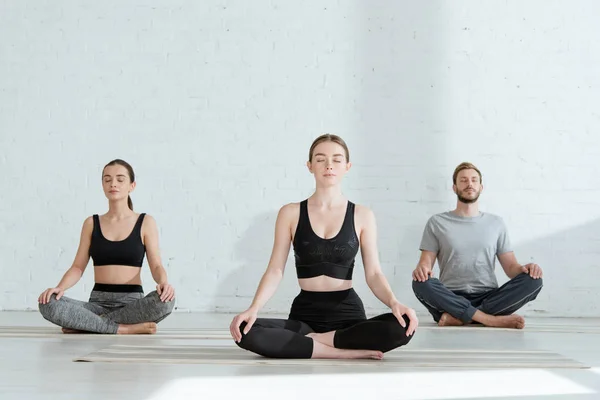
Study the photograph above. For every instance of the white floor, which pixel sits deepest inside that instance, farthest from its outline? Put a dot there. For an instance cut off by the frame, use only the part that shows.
(42, 368)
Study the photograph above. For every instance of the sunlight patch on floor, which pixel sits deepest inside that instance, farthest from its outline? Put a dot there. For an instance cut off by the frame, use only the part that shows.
(411, 386)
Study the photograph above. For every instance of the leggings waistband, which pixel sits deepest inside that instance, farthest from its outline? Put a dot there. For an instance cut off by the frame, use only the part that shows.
(327, 296)
(107, 287)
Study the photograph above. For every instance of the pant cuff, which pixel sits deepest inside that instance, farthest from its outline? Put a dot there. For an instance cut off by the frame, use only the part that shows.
(467, 316)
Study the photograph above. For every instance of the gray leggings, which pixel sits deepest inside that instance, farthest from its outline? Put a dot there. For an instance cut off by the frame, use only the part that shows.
(106, 309)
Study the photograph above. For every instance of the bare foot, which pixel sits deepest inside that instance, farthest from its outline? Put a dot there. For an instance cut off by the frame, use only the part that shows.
(325, 338)
(513, 321)
(372, 354)
(147, 328)
(448, 320)
(321, 350)
(358, 354)
(68, 331)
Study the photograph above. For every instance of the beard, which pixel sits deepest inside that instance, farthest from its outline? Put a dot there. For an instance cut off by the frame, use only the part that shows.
(467, 200)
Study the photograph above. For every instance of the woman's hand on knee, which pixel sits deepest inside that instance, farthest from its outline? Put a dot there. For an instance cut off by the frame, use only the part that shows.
(165, 291)
(47, 295)
(249, 317)
(399, 310)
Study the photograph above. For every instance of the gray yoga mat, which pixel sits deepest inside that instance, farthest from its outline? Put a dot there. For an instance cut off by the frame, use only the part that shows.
(403, 358)
(219, 333)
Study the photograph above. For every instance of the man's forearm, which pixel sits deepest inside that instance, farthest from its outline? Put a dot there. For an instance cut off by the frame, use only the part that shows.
(514, 270)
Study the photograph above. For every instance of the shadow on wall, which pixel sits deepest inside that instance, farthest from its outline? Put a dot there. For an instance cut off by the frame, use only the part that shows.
(399, 169)
(252, 253)
(571, 263)
(402, 122)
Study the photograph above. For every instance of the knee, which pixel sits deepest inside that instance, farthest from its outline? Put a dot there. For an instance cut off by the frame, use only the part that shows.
(241, 329)
(252, 340)
(244, 335)
(422, 289)
(168, 306)
(532, 284)
(401, 337)
(165, 307)
(395, 335)
(246, 342)
(535, 285)
(48, 310)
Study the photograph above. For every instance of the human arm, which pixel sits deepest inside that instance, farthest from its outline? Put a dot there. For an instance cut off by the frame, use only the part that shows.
(508, 261)
(429, 247)
(274, 272)
(159, 274)
(424, 268)
(512, 268)
(374, 276)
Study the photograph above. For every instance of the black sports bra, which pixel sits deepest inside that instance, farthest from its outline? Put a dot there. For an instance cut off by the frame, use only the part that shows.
(129, 251)
(332, 257)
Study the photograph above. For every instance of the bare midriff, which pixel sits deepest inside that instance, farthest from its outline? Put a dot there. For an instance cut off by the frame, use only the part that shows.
(324, 283)
(118, 275)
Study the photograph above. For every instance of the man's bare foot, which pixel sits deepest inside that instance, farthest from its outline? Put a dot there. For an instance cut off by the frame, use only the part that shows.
(68, 331)
(513, 321)
(448, 320)
(147, 328)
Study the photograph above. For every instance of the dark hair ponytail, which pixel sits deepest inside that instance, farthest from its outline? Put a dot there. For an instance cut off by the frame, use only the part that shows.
(129, 169)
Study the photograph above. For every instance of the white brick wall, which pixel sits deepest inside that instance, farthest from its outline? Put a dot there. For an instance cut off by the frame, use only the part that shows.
(215, 104)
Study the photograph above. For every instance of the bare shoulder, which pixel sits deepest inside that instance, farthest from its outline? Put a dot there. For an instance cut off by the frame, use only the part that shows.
(364, 218)
(149, 218)
(149, 222)
(289, 211)
(88, 222)
(364, 213)
(87, 227)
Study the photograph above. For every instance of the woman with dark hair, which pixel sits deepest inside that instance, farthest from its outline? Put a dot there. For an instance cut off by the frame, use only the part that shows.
(117, 242)
(327, 318)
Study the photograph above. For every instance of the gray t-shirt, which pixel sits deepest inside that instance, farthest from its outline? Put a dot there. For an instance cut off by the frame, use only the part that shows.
(466, 249)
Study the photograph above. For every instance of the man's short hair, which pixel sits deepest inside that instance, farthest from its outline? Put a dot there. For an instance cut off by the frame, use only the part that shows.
(465, 165)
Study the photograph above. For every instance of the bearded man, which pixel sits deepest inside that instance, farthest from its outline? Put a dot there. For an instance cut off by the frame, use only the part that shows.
(465, 243)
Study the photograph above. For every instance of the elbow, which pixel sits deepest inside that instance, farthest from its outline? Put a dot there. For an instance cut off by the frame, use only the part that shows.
(374, 278)
(275, 273)
(157, 268)
(157, 271)
(76, 271)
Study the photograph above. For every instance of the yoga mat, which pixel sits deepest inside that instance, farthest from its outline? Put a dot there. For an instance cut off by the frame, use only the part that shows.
(42, 332)
(402, 358)
(220, 333)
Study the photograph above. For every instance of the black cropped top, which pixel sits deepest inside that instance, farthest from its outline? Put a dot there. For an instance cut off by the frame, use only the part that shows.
(332, 257)
(129, 251)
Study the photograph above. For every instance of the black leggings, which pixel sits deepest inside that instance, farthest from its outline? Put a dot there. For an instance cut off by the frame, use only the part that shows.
(340, 311)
